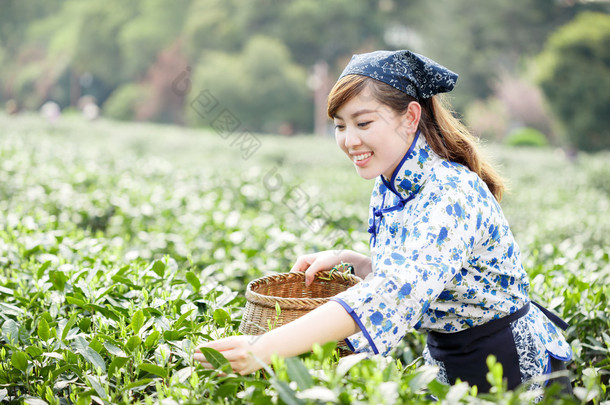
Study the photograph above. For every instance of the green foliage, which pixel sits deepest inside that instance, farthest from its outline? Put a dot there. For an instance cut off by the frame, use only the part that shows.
(328, 30)
(124, 247)
(154, 28)
(213, 25)
(261, 86)
(495, 37)
(124, 102)
(526, 137)
(575, 77)
(46, 46)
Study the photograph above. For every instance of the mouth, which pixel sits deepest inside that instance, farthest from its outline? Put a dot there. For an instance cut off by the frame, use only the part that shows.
(362, 159)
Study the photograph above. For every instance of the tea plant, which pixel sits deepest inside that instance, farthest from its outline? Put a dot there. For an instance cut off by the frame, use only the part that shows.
(125, 246)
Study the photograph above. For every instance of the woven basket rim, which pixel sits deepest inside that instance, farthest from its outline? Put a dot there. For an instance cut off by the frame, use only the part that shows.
(294, 302)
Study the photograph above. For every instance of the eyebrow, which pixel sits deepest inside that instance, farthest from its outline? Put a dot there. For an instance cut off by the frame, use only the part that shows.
(357, 113)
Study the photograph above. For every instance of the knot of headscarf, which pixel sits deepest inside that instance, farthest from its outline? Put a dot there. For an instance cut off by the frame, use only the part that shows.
(378, 215)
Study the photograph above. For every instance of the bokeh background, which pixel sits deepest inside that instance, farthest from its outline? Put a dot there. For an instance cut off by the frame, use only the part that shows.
(531, 71)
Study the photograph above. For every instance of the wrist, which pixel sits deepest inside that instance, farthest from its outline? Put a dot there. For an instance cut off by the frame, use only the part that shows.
(261, 348)
(362, 264)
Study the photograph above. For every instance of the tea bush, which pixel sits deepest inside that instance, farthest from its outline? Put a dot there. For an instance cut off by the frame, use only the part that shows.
(124, 246)
(525, 136)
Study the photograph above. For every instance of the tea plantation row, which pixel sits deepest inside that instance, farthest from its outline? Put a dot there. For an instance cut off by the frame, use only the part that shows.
(124, 246)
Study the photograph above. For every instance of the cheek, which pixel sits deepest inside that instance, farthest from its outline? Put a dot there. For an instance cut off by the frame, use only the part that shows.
(340, 139)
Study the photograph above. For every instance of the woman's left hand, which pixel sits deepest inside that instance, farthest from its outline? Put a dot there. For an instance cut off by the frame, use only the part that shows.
(243, 353)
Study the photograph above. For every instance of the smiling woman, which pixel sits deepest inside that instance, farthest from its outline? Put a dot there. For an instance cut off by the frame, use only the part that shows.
(375, 137)
(443, 258)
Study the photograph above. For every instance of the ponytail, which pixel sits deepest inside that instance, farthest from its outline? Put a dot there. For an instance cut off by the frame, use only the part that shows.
(450, 139)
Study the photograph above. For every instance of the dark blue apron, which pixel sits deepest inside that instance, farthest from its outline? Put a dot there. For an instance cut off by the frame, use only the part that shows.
(464, 353)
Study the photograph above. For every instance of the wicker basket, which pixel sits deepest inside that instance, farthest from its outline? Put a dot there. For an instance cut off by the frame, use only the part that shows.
(288, 291)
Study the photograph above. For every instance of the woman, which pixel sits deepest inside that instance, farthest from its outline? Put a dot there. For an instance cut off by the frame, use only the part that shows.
(443, 258)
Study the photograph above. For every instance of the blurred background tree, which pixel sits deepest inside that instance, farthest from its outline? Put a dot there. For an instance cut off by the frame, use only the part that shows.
(574, 74)
(258, 57)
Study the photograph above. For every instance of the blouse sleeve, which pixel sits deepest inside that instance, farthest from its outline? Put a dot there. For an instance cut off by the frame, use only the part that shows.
(437, 242)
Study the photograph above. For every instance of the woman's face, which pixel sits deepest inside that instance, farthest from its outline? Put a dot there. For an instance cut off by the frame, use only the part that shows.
(373, 136)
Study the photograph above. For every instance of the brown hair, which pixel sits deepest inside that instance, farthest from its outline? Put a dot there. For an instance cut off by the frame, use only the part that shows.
(445, 134)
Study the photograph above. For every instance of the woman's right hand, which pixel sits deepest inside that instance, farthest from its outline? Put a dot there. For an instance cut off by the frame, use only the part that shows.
(326, 260)
(315, 262)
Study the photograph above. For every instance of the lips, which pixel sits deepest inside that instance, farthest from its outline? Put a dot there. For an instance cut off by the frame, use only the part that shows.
(362, 159)
(362, 156)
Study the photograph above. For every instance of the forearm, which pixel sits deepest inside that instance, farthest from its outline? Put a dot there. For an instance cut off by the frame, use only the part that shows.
(329, 322)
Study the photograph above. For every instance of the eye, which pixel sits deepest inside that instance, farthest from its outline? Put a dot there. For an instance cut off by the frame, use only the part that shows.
(339, 127)
(364, 124)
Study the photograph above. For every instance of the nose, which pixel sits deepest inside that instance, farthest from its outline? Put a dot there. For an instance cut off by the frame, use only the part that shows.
(352, 138)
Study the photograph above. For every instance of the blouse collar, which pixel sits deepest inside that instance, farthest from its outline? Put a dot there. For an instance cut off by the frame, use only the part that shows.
(412, 171)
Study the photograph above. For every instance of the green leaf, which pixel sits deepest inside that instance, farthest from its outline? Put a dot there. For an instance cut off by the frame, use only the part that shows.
(159, 268)
(286, 393)
(152, 339)
(139, 383)
(193, 280)
(173, 335)
(7, 291)
(75, 301)
(103, 291)
(299, 373)
(19, 360)
(178, 322)
(89, 353)
(42, 269)
(34, 351)
(116, 364)
(35, 401)
(97, 386)
(84, 324)
(346, 363)
(138, 321)
(227, 389)
(325, 351)
(43, 329)
(68, 326)
(114, 350)
(221, 317)
(216, 359)
(10, 331)
(94, 358)
(420, 378)
(59, 279)
(133, 343)
(153, 369)
(10, 310)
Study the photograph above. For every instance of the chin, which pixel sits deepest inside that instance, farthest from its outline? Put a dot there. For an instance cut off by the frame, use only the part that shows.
(366, 174)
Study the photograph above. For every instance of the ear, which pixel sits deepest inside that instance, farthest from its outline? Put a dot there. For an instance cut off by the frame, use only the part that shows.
(412, 116)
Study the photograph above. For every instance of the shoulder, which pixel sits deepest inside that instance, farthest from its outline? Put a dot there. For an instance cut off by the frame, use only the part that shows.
(456, 180)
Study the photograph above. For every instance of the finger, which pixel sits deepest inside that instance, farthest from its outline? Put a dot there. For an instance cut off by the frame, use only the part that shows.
(302, 263)
(310, 273)
(221, 344)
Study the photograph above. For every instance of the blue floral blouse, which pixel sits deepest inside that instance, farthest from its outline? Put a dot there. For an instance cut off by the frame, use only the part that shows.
(444, 259)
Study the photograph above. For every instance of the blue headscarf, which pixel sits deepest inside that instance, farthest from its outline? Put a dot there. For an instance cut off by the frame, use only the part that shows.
(411, 73)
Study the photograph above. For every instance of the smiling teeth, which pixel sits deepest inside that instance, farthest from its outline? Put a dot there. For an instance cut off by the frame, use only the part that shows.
(358, 158)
